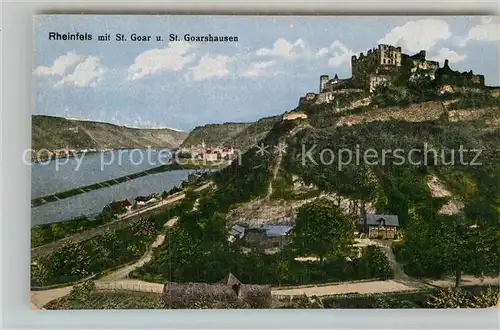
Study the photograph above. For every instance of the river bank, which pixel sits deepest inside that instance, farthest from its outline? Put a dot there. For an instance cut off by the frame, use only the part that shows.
(188, 165)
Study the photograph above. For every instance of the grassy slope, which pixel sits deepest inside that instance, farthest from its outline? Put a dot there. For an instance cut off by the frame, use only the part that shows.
(240, 135)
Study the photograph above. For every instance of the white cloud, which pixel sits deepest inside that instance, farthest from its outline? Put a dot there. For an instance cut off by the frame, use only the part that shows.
(61, 64)
(483, 32)
(283, 48)
(171, 58)
(259, 69)
(418, 35)
(448, 54)
(322, 52)
(210, 67)
(338, 53)
(87, 73)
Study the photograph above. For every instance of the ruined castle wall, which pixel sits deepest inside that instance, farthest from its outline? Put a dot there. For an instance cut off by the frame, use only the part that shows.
(308, 98)
(390, 55)
(325, 97)
(363, 66)
(323, 81)
(423, 68)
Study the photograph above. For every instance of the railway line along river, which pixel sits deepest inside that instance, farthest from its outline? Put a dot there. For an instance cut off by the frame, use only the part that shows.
(49, 179)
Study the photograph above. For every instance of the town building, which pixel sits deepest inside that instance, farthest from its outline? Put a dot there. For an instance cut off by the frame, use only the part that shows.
(382, 226)
(227, 152)
(210, 155)
(116, 207)
(237, 231)
(261, 237)
(145, 200)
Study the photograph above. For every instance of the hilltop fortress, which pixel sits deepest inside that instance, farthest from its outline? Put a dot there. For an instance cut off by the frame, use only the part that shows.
(388, 65)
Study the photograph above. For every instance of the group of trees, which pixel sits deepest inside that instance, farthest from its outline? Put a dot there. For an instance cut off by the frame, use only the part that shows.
(451, 244)
(321, 229)
(197, 250)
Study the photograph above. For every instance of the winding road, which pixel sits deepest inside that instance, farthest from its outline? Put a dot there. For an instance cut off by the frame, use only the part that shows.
(115, 280)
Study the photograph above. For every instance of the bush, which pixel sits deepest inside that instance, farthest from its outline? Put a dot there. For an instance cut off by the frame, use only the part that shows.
(459, 298)
(82, 291)
(477, 100)
(374, 263)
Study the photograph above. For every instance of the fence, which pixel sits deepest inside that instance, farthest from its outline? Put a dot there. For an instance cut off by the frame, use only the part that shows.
(127, 286)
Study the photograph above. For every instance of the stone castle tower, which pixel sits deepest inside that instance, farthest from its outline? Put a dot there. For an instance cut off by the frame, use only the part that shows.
(322, 82)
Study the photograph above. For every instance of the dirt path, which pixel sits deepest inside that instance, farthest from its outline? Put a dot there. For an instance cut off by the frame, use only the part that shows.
(280, 150)
(123, 272)
(114, 281)
(274, 171)
(41, 298)
(343, 288)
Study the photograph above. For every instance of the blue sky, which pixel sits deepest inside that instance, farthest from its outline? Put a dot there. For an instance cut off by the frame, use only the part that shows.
(187, 84)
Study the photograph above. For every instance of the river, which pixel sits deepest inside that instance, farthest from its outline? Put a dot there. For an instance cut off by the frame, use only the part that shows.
(51, 178)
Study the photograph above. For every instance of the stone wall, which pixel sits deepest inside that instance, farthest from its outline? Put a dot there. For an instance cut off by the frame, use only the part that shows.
(414, 113)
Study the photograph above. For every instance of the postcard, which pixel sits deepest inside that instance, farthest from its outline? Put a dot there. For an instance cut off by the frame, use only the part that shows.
(189, 162)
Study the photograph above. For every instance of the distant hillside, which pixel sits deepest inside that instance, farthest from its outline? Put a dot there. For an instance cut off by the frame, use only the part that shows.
(239, 135)
(58, 133)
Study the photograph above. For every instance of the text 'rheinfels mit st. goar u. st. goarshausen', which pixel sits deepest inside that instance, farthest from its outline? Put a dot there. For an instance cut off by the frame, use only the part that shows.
(135, 37)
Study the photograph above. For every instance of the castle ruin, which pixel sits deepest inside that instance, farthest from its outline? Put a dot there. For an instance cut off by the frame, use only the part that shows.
(388, 65)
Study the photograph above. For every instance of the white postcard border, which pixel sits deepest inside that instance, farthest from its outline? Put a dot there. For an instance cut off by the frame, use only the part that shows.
(16, 36)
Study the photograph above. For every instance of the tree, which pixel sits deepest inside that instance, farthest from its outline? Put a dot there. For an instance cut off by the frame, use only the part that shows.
(374, 263)
(37, 236)
(39, 273)
(423, 247)
(471, 247)
(321, 229)
(207, 206)
(82, 292)
(215, 229)
(69, 260)
(144, 227)
(281, 268)
(444, 244)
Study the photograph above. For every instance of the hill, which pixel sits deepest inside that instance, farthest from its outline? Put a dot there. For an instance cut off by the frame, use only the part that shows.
(57, 133)
(239, 135)
(261, 178)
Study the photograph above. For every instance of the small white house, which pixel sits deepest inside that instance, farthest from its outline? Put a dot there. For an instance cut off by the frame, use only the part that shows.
(145, 200)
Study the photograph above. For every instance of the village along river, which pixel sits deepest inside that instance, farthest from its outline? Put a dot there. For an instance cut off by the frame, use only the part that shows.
(92, 168)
